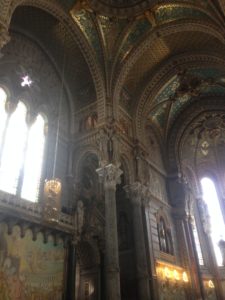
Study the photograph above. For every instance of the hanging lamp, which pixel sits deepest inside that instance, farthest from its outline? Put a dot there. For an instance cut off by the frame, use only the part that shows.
(53, 186)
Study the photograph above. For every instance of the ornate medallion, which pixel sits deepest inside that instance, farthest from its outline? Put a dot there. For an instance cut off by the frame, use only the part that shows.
(120, 8)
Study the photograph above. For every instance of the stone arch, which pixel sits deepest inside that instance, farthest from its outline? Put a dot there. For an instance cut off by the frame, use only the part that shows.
(80, 155)
(180, 128)
(127, 168)
(164, 74)
(88, 254)
(59, 13)
(86, 182)
(161, 31)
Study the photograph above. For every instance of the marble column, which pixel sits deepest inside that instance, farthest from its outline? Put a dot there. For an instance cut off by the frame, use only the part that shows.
(135, 193)
(110, 174)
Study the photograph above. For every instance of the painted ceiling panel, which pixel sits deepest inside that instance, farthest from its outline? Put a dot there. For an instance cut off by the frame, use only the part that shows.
(183, 89)
(84, 20)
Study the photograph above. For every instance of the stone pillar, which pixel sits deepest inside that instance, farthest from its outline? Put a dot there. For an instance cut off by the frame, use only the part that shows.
(111, 177)
(135, 193)
(71, 272)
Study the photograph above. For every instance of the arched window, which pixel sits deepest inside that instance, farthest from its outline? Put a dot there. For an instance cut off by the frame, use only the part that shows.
(216, 218)
(21, 150)
(165, 237)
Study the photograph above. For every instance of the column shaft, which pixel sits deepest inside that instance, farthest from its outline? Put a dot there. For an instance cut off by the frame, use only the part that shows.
(111, 239)
(135, 193)
(140, 251)
(111, 176)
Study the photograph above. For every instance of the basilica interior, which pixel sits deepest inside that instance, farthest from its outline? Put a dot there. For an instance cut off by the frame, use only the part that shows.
(112, 146)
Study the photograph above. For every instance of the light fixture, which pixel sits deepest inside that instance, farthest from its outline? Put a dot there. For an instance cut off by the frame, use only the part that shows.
(167, 272)
(176, 275)
(211, 284)
(52, 200)
(53, 186)
(185, 277)
(171, 273)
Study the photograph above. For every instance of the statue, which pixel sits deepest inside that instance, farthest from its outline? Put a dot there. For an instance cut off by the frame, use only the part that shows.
(79, 218)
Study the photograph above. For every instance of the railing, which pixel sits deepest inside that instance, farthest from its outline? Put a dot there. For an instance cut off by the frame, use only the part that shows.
(30, 211)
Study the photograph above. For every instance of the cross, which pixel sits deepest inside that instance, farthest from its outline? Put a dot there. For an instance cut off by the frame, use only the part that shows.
(26, 81)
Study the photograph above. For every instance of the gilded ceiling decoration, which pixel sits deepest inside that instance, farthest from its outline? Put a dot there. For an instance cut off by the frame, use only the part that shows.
(114, 36)
(87, 25)
(185, 87)
(204, 140)
(121, 8)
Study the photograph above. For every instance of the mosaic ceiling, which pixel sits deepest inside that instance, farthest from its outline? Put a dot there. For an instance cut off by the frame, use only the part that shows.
(120, 35)
(114, 30)
(181, 90)
(120, 7)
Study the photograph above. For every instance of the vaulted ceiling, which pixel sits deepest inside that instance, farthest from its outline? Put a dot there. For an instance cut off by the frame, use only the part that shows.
(153, 58)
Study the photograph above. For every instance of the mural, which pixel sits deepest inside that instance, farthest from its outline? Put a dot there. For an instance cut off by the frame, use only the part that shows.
(30, 270)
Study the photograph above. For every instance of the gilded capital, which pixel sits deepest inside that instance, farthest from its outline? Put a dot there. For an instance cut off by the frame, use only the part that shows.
(4, 36)
(110, 175)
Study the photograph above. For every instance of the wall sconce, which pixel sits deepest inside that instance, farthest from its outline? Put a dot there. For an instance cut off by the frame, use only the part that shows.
(209, 287)
(171, 275)
(211, 284)
(52, 200)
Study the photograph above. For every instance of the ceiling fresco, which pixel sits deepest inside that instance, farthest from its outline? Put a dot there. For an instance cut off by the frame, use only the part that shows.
(187, 86)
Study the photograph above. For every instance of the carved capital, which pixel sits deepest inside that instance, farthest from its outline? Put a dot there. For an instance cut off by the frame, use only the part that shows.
(4, 36)
(136, 192)
(110, 175)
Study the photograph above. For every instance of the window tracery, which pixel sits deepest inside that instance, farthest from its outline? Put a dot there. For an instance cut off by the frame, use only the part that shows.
(22, 140)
